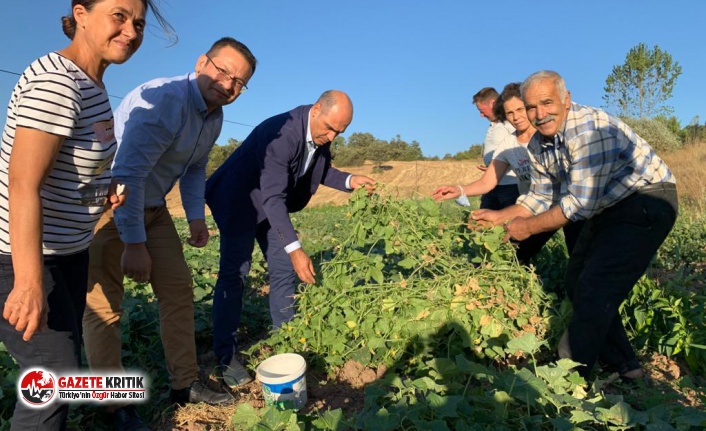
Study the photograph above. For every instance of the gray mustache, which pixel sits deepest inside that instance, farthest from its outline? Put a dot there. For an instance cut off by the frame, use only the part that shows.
(544, 120)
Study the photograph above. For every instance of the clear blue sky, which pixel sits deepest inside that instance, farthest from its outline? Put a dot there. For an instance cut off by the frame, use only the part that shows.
(409, 66)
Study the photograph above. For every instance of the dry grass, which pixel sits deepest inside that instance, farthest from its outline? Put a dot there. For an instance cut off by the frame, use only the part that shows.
(409, 178)
(419, 178)
(687, 165)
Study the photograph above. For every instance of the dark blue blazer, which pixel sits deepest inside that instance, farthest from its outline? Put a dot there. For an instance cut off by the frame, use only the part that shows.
(260, 180)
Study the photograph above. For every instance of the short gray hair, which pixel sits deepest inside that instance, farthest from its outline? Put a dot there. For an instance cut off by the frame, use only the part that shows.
(541, 76)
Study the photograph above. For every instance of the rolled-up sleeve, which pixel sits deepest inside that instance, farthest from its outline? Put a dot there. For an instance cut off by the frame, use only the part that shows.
(543, 191)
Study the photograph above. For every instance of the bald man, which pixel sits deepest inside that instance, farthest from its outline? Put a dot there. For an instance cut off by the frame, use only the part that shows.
(276, 171)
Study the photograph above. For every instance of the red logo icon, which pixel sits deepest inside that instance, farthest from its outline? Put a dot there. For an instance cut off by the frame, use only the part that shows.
(37, 387)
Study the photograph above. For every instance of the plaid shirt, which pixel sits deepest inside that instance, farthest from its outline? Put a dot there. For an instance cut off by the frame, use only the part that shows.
(597, 162)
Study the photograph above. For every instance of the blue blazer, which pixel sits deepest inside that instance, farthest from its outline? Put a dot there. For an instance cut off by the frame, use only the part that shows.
(260, 180)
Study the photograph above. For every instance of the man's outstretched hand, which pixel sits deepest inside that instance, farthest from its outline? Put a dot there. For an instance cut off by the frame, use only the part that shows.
(358, 181)
(303, 266)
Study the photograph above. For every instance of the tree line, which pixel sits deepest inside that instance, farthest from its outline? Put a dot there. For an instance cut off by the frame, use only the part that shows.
(637, 91)
(661, 132)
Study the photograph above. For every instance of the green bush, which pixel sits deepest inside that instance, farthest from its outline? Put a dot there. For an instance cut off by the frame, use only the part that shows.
(656, 133)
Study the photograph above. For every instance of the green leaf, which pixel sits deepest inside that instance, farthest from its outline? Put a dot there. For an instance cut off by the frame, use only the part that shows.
(471, 367)
(579, 416)
(562, 424)
(376, 343)
(200, 293)
(362, 356)
(407, 263)
(275, 419)
(375, 274)
(619, 414)
(659, 425)
(294, 424)
(527, 343)
(448, 408)
(444, 367)
(567, 364)
(383, 421)
(435, 425)
(503, 397)
(329, 420)
(693, 418)
(245, 417)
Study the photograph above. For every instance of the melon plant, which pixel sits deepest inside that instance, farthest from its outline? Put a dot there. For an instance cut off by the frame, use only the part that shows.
(401, 270)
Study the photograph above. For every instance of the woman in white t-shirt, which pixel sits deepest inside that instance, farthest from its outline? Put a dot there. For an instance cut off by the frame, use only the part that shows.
(56, 151)
(510, 154)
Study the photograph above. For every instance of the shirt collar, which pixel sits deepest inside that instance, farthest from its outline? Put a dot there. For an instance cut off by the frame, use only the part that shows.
(309, 141)
(197, 97)
(553, 141)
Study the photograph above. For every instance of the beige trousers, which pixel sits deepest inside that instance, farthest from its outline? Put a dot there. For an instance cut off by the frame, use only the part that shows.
(171, 282)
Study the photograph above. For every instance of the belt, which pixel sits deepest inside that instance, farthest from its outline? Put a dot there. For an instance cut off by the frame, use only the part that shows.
(657, 186)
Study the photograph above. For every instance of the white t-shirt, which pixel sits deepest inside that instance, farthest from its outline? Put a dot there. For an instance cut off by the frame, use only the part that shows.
(55, 96)
(499, 134)
(516, 155)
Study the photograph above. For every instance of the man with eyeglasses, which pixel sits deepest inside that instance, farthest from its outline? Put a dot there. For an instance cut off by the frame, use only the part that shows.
(165, 130)
(275, 172)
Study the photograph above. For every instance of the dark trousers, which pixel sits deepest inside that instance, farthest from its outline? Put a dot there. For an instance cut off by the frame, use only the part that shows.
(500, 197)
(55, 348)
(504, 196)
(530, 247)
(236, 256)
(613, 251)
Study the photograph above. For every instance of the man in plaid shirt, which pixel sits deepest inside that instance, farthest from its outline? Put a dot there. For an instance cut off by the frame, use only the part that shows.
(589, 165)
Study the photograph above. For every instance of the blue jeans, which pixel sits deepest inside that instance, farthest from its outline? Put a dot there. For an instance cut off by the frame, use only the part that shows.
(236, 256)
(612, 252)
(57, 347)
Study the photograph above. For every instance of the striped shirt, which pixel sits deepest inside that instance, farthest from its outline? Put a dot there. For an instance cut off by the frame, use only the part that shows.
(53, 95)
(598, 161)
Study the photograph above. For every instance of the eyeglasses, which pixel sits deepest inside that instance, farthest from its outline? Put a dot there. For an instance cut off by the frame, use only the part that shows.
(239, 84)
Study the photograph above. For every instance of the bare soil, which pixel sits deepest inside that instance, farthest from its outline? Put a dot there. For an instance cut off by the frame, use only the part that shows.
(346, 391)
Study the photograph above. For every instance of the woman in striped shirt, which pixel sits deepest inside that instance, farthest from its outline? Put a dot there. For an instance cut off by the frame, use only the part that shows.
(57, 147)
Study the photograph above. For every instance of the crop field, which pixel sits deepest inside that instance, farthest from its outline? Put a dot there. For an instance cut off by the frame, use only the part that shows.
(418, 323)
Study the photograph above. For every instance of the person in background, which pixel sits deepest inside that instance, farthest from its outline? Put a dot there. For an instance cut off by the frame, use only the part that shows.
(511, 154)
(57, 146)
(589, 165)
(499, 131)
(165, 130)
(276, 171)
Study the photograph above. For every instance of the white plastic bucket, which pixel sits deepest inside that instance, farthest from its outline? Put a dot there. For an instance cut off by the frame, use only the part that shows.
(283, 379)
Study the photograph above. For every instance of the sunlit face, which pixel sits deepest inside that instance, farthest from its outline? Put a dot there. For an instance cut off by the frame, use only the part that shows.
(215, 76)
(545, 109)
(486, 109)
(325, 127)
(516, 114)
(113, 29)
